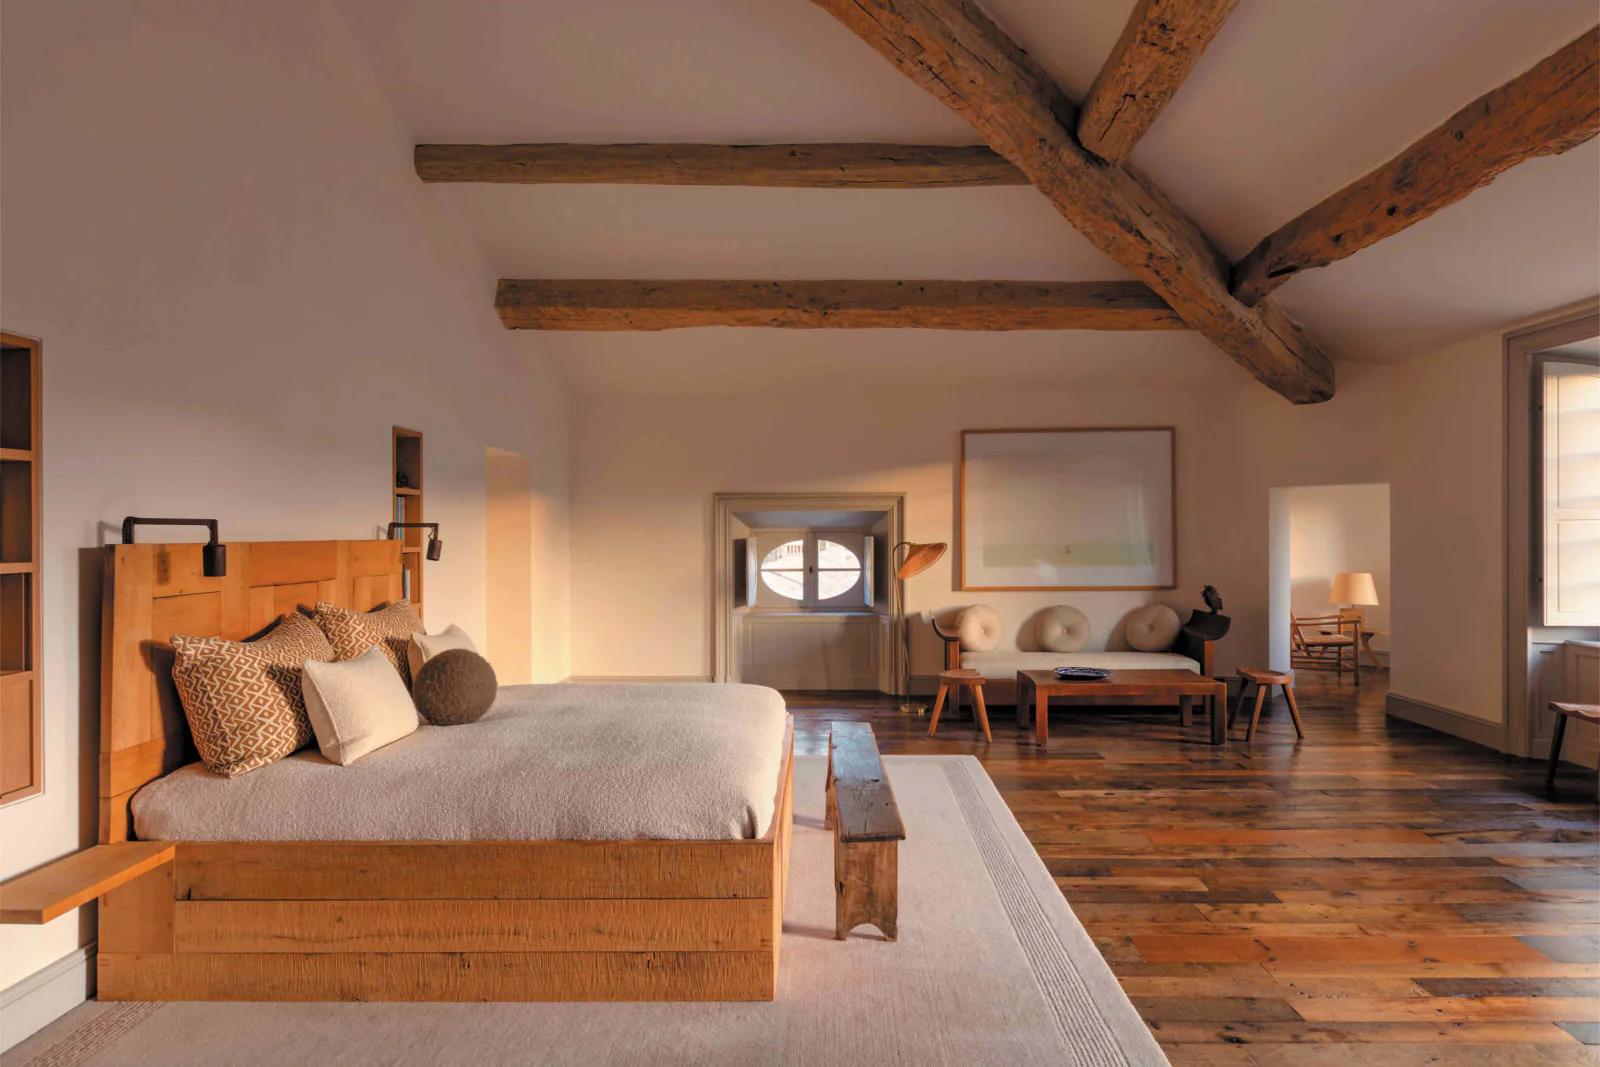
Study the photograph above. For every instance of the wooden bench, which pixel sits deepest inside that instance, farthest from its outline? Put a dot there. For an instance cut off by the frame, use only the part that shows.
(867, 832)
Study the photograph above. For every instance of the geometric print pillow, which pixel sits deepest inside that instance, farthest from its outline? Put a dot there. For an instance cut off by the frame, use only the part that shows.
(243, 699)
(389, 628)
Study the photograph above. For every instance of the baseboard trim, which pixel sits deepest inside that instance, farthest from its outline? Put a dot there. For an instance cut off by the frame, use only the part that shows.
(45, 996)
(1446, 720)
(640, 678)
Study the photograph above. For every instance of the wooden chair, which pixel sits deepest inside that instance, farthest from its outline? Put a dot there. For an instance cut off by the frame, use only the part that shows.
(1319, 642)
(955, 679)
(1582, 712)
(1264, 680)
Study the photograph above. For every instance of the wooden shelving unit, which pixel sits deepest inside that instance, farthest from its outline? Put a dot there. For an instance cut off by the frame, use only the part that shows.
(21, 703)
(408, 508)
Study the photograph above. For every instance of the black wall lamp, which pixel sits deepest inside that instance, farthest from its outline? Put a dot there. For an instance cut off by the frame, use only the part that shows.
(214, 556)
(435, 546)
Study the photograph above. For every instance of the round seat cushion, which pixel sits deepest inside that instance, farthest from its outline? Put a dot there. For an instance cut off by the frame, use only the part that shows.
(1152, 628)
(454, 687)
(1062, 629)
(979, 628)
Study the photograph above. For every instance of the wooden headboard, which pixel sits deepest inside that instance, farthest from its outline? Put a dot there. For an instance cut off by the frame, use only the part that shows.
(155, 591)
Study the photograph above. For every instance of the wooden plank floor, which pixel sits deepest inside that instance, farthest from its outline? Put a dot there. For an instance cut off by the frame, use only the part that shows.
(1378, 893)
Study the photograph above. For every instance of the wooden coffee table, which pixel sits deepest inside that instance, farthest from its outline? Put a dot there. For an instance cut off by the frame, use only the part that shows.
(1035, 688)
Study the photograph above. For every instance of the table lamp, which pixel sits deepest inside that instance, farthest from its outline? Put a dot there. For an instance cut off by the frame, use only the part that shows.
(918, 558)
(1355, 589)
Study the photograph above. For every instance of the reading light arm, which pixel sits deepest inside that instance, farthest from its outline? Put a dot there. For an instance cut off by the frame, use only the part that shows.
(435, 546)
(214, 555)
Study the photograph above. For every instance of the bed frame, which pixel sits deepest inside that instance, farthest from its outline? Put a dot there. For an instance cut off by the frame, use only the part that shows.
(391, 920)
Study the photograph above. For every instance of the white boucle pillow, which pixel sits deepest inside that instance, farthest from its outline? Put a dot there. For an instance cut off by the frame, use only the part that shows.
(1152, 628)
(357, 705)
(423, 647)
(1062, 629)
(979, 628)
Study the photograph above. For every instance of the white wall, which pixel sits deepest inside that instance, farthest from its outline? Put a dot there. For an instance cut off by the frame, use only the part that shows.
(211, 220)
(642, 511)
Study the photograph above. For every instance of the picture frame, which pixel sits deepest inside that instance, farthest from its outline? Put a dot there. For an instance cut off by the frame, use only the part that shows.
(1068, 508)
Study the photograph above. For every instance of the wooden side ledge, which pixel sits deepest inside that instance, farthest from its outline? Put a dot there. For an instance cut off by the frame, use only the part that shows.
(70, 882)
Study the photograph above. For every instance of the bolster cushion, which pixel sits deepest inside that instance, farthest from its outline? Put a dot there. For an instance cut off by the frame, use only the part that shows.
(979, 628)
(1062, 628)
(1153, 628)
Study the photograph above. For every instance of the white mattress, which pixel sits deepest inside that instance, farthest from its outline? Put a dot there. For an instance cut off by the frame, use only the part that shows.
(693, 761)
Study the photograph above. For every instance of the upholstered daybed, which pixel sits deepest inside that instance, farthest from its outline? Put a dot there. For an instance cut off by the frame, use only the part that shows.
(975, 638)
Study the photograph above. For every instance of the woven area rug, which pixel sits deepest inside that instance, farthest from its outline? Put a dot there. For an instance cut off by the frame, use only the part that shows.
(991, 967)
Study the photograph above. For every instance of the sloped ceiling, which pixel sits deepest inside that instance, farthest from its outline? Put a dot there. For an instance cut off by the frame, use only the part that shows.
(1292, 101)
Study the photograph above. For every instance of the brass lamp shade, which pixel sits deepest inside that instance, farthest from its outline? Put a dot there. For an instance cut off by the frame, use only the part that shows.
(919, 558)
(1355, 588)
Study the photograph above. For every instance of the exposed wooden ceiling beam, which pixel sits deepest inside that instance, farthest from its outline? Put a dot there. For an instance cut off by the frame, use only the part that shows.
(823, 166)
(1159, 45)
(611, 304)
(956, 53)
(1544, 111)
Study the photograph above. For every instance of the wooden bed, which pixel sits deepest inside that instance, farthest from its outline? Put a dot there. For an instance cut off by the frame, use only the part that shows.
(391, 920)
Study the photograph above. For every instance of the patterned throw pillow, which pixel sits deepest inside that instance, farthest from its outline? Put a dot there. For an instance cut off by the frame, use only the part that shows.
(243, 699)
(353, 632)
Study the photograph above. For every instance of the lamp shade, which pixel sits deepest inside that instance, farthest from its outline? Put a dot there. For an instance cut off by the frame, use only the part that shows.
(1353, 587)
(919, 558)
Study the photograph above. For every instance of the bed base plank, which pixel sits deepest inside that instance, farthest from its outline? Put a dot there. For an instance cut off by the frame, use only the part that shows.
(446, 870)
(441, 976)
(302, 926)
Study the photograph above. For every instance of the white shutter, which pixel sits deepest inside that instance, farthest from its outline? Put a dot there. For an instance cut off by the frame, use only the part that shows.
(1571, 484)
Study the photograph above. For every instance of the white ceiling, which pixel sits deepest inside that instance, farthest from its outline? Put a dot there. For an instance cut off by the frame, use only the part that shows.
(1292, 101)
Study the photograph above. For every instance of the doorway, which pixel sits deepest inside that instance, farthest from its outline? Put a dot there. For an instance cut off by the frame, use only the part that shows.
(802, 595)
(1317, 534)
(508, 571)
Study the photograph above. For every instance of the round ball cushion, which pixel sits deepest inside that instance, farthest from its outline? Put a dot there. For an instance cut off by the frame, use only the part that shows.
(1153, 628)
(454, 687)
(1062, 629)
(979, 628)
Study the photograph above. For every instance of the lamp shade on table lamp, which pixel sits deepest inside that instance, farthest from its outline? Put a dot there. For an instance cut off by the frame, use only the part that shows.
(1355, 588)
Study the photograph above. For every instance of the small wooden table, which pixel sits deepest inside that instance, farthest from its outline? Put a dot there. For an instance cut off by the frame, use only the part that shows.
(1035, 688)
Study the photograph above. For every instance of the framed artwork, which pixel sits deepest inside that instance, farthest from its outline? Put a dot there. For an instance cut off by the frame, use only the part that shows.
(1089, 508)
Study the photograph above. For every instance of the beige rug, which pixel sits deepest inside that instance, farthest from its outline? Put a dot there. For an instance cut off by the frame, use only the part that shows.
(991, 967)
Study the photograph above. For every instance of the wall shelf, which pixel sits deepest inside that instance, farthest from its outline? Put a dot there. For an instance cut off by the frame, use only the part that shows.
(21, 703)
(407, 507)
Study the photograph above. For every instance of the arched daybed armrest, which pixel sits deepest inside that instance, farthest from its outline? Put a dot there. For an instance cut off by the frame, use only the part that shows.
(952, 645)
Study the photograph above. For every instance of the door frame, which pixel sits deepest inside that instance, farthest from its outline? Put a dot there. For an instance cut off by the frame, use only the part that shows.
(723, 508)
(1522, 729)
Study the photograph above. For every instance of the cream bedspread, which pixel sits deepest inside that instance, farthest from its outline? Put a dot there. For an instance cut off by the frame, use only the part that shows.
(693, 761)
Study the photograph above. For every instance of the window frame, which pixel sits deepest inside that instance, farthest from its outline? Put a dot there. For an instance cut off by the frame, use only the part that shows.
(856, 599)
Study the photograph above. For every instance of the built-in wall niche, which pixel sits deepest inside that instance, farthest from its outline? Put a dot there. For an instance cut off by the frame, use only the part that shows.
(21, 705)
(407, 485)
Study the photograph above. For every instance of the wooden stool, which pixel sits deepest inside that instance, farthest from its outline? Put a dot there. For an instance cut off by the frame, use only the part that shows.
(949, 680)
(1584, 712)
(867, 831)
(1265, 680)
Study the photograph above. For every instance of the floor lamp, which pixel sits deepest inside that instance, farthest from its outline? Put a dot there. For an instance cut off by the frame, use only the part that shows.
(918, 558)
